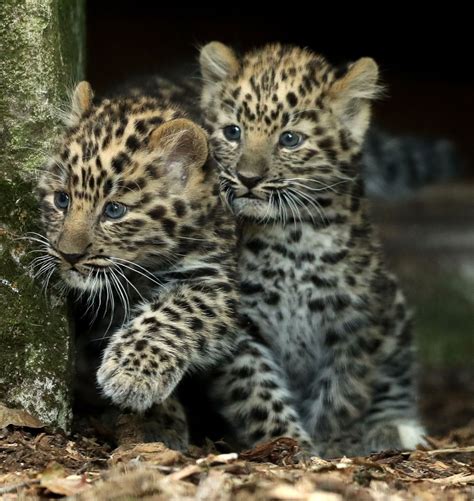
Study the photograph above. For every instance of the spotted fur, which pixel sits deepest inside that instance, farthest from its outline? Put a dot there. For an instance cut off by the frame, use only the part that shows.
(161, 274)
(331, 333)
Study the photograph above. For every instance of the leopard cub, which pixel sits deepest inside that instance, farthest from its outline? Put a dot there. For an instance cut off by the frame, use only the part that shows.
(331, 340)
(134, 224)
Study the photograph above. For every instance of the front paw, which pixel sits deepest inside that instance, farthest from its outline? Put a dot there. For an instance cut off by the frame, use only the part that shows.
(134, 379)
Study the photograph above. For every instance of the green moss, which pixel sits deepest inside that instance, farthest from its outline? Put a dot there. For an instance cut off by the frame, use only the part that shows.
(18, 206)
(35, 354)
(42, 57)
(444, 322)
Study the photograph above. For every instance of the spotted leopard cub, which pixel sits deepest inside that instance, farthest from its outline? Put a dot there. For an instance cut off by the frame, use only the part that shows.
(329, 326)
(134, 222)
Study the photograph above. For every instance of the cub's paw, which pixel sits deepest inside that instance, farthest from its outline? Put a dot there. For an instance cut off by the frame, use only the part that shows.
(134, 380)
(411, 433)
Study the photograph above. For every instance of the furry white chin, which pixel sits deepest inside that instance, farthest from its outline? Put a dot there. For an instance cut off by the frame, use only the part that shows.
(255, 209)
(76, 280)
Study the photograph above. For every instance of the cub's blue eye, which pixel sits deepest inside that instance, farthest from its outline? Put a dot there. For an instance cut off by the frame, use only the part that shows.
(61, 200)
(290, 139)
(232, 132)
(114, 210)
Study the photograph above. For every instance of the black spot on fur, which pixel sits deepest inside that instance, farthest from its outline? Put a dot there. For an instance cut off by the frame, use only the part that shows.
(244, 371)
(256, 246)
(295, 235)
(132, 143)
(250, 288)
(272, 298)
(140, 126)
(157, 212)
(196, 324)
(179, 208)
(323, 282)
(141, 344)
(119, 162)
(240, 394)
(292, 99)
(332, 338)
(108, 185)
(317, 305)
(259, 413)
(169, 226)
(334, 257)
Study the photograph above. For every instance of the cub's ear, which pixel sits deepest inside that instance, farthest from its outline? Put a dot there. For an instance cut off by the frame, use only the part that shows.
(81, 102)
(218, 62)
(352, 93)
(183, 145)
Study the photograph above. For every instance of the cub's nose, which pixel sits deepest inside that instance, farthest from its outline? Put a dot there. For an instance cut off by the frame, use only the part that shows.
(248, 180)
(72, 258)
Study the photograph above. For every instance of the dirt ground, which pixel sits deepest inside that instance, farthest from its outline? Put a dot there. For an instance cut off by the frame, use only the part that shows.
(36, 463)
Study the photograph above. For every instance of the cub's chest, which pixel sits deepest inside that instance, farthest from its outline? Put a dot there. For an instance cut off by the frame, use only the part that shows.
(287, 287)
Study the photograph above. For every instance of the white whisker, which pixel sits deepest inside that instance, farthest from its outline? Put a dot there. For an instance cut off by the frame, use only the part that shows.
(141, 271)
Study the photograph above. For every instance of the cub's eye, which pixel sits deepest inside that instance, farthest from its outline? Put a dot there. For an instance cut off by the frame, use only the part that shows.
(290, 139)
(114, 210)
(61, 200)
(232, 132)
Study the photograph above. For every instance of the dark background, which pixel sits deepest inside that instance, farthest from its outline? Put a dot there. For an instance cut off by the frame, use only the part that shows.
(426, 62)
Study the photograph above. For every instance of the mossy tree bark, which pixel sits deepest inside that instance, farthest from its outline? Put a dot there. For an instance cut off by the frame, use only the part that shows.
(42, 55)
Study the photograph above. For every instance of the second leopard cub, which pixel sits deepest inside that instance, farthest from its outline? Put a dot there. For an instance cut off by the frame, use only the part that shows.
(330, 328)
(134, 223)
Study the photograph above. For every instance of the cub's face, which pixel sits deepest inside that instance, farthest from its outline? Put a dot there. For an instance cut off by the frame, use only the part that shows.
(124, 188)
(285, 128)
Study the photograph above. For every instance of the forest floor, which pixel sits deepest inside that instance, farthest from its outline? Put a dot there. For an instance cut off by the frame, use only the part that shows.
(37, 463)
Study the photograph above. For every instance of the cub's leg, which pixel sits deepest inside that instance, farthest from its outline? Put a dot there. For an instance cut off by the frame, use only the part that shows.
(392, 420)
(252, 395)
(165, 422)
(185, 327)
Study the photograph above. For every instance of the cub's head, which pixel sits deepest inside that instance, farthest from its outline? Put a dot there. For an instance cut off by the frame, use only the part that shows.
(127, 182)
(285, 127)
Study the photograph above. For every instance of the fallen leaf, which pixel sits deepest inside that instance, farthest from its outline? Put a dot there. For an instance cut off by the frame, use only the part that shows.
(153, 452)
(18, 417)
(52, 472)
(68, 486)
(279, 451)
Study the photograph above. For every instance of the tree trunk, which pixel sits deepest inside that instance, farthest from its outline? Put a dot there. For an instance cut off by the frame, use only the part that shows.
(42, 55)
